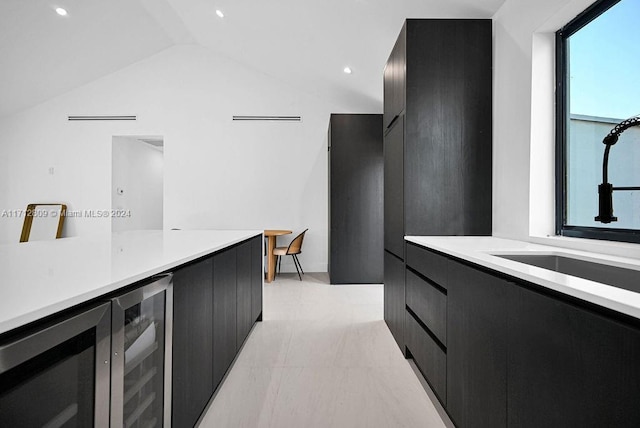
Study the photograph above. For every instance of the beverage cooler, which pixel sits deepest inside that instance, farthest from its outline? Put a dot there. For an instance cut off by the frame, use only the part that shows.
(141, 355)
(109, 365)
(58, 375)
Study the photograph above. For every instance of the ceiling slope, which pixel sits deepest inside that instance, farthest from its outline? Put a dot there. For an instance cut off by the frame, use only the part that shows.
(308, 43)
(305, 43)
(44, 55)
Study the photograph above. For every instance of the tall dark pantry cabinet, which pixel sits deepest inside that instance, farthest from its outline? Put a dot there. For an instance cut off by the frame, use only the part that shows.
(437, 143)
(355, 199)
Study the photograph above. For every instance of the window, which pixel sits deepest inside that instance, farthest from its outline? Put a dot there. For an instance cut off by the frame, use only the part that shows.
(598, 86)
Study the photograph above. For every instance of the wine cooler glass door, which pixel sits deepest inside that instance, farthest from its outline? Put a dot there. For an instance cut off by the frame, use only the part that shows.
(141, 325)
(57, 375)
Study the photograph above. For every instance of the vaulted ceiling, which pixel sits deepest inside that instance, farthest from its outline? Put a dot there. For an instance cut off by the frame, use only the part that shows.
(306, 43)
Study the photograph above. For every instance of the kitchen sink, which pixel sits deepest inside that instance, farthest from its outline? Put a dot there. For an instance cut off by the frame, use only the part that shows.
(628, 279)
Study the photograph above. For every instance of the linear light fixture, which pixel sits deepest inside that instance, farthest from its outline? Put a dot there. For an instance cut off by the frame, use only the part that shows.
(102, 117)
(270, 118)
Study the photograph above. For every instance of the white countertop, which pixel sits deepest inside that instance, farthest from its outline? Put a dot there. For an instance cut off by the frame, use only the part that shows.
(479, 250)
(44, 277)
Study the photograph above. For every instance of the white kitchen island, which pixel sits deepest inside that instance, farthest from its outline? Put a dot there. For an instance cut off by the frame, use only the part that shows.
(133, 329)
(44, 277)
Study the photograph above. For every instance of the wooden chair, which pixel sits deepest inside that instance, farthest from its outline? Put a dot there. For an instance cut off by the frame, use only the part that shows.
(43, 222)
(294, 248)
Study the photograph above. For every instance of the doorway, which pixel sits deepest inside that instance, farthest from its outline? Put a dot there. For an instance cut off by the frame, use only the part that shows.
(137, 183)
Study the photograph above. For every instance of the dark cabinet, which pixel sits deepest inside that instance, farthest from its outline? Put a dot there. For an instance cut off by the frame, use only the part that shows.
(355, 199)
(438, 131)
(193, 326)
(438, 81)
(447, 129)
(569, 366)
(393, 190)
(244, 291)
(513, 353)
(224, 312)
(216, 301)
(387, 92)
(257, 276)
(394, 81)
(394, 290)
(477, 348)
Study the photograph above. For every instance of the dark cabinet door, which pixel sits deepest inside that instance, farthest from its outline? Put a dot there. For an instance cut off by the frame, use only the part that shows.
(243, 284)
(448, 127)
(394, 300)
(399, 73)
(394, 81)
(356, 203)
(477, 348)
(257, 276)
(224, 312)
(570, 367)
(388, 88)
(394, 189)
(192, 371)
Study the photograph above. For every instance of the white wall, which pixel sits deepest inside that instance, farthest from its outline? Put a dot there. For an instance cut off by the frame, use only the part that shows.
(515, 25)
(524, 145)
(136, 185)
(218, 173)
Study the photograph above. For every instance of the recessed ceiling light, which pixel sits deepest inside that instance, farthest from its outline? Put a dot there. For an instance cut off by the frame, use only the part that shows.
(219, 13)
(348, 70)
(60, 11)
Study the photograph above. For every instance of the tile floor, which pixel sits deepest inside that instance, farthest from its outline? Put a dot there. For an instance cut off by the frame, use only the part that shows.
(322, 357)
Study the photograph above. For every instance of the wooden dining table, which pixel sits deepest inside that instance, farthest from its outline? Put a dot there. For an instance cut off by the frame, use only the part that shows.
(272, 235)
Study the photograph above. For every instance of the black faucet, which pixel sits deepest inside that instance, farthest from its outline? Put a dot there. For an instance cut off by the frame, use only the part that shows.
(605, 190)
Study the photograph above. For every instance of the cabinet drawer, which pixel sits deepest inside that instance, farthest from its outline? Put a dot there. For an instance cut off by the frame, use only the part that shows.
(428, 356)
(428, 263)
(394, 297)
(429, 304)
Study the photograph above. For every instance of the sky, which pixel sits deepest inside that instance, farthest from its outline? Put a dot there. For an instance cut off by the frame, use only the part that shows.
(605, 64)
